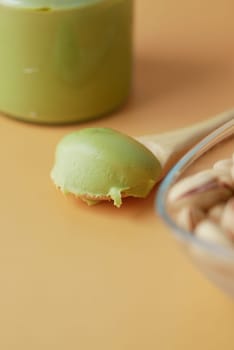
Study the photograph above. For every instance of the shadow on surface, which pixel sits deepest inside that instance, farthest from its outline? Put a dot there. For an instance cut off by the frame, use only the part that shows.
(132, 208)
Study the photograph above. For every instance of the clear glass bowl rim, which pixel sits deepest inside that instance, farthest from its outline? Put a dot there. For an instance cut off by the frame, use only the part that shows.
(219, 135)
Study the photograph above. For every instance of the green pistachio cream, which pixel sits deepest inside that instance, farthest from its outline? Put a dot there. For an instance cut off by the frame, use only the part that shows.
(64, 61)
(98, 164)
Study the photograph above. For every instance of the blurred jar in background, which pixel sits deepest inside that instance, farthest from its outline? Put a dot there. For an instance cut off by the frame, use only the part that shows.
(64, 61)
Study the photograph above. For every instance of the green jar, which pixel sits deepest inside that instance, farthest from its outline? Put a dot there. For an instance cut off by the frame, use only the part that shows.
(64, 61)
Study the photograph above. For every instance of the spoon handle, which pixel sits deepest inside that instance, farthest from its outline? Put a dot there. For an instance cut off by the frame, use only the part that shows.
(170, 146)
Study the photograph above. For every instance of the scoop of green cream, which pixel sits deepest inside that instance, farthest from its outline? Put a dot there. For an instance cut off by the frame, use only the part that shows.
(103, 164)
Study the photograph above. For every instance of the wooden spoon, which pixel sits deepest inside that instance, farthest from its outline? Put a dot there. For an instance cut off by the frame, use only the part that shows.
(169, 147)
(98, 164)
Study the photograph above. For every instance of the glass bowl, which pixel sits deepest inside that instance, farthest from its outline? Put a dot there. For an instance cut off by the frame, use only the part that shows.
(215, 262)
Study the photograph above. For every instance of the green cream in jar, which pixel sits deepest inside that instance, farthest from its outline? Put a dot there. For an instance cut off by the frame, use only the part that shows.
(64, 61)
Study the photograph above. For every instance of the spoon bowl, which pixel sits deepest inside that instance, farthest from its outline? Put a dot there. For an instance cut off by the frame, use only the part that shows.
(97, 164)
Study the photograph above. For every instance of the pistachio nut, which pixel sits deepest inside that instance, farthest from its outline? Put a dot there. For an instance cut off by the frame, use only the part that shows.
(224, 165)
(202, 190)
(215, 213)
(227, 219)
(232, 172)
(211, 232)
(188, 217)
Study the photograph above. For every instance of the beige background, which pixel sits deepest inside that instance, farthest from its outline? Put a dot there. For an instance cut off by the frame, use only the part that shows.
(73, 277)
